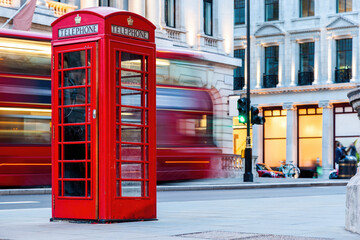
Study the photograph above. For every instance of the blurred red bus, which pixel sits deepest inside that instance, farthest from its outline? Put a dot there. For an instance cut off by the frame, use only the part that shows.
(186, 148)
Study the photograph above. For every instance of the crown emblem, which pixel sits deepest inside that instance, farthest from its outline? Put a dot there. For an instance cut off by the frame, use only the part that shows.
(130, 21)
(77, 19)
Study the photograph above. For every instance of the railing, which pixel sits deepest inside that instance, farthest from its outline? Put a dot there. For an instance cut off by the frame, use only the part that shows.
(305, 78)
(6, 3)
(60, 8)
(210, 42)
(270, 81)
(173, 34)
(343, 75)
(232, 162)
(239, 83)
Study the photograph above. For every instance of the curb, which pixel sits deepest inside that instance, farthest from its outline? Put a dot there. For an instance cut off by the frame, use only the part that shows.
(249, 186)
(37, 191)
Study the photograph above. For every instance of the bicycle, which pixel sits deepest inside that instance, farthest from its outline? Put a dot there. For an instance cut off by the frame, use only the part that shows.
(289, 170)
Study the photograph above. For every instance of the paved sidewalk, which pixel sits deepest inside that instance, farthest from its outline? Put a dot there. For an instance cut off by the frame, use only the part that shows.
(270, 218)
(214, 184)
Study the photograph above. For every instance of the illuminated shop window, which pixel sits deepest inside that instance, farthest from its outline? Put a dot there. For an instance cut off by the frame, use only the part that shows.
(274, 137)
(347, 129)
(310, 136)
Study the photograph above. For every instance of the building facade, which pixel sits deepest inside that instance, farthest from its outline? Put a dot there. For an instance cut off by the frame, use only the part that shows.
(201, 27)
(304, 61)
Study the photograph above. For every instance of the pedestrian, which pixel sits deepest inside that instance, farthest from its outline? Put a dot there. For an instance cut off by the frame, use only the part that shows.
(339, 154)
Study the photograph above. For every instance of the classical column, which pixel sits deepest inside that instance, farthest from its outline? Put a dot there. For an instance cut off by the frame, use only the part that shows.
(281, 75)
(153, 12)
(327, 138)
(317, 62)
(355, 57)
(137, 6)
(294, 57)
(259, 73)
(331, 65)
(291, 132)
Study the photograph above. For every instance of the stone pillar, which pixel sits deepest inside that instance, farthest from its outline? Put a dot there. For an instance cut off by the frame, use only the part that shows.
(327, 138)
(153, 12)
(294, 57)
(259, 70)
(137, 6)
(291, 132)
(331, 65)
(281, 71)
(355, 57)
(317, 62)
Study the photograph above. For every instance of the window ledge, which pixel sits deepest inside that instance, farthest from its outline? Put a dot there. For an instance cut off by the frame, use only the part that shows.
(343, 14)
(270, 22)
(305, 18)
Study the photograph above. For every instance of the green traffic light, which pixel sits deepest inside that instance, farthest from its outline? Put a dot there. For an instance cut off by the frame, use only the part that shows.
(242, 119)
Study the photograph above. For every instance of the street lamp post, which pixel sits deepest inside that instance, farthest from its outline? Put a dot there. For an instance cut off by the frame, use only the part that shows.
(248, 176)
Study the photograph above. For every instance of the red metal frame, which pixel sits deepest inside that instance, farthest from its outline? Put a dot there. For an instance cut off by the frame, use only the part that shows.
(122, 187)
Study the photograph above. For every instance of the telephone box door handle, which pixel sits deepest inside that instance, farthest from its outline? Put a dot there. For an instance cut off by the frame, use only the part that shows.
(94, 113)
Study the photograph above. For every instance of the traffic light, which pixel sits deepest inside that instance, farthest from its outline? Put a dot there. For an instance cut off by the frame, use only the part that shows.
(242, 102)
(255, 118)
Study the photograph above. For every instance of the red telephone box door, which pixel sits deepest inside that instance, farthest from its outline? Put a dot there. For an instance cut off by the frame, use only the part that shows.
(134, 175)
(75, 138)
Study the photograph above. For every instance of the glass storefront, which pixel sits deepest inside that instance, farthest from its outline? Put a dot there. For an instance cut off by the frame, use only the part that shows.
(309, 136)
(274, 137)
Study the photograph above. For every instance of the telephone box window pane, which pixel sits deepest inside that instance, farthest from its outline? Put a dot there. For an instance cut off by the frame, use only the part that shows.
(74, 133)
(74, 78)
(88, 170)
(118, 114)
(74, 188)
(131, 61)
(117, 96)
(131, 170)
(131, 134)
(130, 97)
(131, 152)
(146, 81)
(146, 171)
(131, 115)
(117, 59)
(146, 153)
(74, 151)
(117, 170)
(74, 59)
(88, 188)
(117, 151)
(60, 103)
(60, 80)
(117, 133)
(74, 115)
(60, 151)
(74, 170)
(131, 79)
(88, 95)
(88, 57)
(60, 134)
(74, 96)
(146, 189)
(59, 60)
(117, 78)
(146, 63)
(131, 189)
(118, 188)
(89, 76)
(60, 171)
(60, 188)
(146, 135)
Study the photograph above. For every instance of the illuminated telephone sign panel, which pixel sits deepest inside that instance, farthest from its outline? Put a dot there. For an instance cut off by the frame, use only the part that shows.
(103, 115)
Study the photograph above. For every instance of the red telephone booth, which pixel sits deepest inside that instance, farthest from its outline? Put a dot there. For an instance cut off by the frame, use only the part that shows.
(103, 114)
